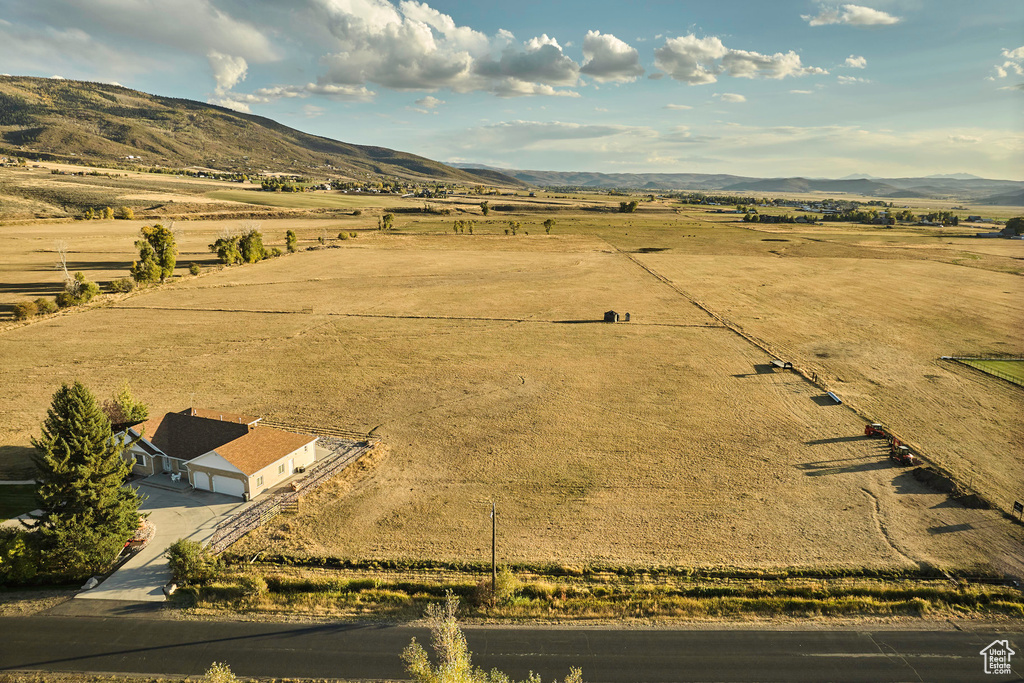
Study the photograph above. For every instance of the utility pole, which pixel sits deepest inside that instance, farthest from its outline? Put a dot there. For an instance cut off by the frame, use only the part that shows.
(494, 565)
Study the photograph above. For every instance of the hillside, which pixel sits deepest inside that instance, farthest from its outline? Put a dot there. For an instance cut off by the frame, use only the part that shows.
(64, 120)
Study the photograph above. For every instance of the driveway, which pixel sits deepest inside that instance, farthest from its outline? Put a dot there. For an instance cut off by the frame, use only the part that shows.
(192, 514)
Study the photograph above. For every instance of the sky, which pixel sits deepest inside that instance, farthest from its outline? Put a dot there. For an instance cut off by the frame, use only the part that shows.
(889, 88)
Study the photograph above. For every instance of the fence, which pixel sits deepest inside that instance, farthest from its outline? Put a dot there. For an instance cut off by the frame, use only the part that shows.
(344, 453)
(972, 362)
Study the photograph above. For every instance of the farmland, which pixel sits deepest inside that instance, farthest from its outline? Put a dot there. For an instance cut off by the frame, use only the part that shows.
(479, 361)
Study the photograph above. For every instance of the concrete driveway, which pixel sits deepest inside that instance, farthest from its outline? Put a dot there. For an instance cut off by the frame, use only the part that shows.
(192, 514)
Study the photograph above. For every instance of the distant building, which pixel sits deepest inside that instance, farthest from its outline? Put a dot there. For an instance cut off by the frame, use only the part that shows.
(611, 317)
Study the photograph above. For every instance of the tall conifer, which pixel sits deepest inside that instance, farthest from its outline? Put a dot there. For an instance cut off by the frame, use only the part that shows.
(87, 513)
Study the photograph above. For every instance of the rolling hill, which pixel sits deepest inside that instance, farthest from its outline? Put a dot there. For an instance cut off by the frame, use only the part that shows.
(64, 120)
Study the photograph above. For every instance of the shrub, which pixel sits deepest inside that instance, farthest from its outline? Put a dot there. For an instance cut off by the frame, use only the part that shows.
(25, 310)
(353, 235)
(219, 673)
(357, 212)
(19, 557)
(191, 562)
(45, 306)
(107, 213)
(254, 585)
(291, 241)
(125, 213)
(274, 252)
(122, 285)
(77, 291)
(342, 235)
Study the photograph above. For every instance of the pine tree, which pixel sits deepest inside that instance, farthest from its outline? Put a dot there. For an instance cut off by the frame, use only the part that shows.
(87, 513)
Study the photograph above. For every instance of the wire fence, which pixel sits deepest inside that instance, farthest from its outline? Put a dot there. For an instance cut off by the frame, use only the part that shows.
(983, 364)
(344, 452)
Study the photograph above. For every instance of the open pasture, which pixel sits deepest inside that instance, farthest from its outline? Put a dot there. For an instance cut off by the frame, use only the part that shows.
(480, 362)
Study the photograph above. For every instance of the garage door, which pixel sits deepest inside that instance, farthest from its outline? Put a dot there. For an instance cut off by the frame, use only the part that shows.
(201, 480)
(228, 486)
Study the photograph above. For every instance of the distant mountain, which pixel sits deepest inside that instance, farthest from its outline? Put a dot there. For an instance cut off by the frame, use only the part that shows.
(1007, 199)
(75, 121)
(955, 186)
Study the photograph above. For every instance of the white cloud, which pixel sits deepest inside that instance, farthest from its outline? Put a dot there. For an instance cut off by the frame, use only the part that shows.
(1014, 63)
(678, 107)
(429, 102)
(699, 61)
(228, 71)
(415, 47)
(849, 80)
(856, 62)
(964, 139)
(731, 97)
(801, 92)
(610, 59)
(854, 15)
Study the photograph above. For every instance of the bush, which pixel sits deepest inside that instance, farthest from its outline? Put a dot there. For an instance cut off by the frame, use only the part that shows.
(353, 235)
(357, 212)
(254, 585)
(274, 252)
(19, 557)
(191, 562)
(125, 213)
(77, 291)
(342, 235)
(25, 310)
(219, 673)
(45, 306)
(107, 213)
(193, 269)
(291, 241)
(122, 285)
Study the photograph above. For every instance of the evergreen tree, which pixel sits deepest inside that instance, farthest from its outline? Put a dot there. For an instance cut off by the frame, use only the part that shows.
(291, 241)
(87, 513)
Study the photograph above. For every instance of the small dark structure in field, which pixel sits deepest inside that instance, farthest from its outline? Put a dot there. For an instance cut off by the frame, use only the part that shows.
(785, 365)
(611, 317)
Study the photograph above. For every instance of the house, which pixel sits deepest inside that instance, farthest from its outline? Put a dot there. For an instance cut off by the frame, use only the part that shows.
(611, 317)
(221, 452)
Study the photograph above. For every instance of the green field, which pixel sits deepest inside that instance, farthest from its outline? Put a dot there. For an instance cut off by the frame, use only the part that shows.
(17, 500)
(1010, 370)
(305, 200)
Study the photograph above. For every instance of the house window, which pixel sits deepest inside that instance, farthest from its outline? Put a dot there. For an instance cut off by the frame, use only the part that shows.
(259, 481)
(140, 459)
(280, 468)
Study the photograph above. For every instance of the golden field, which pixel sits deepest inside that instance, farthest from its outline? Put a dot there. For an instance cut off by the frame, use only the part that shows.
(479, 362)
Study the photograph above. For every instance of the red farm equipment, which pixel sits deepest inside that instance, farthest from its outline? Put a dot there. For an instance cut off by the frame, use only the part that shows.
(898, 451)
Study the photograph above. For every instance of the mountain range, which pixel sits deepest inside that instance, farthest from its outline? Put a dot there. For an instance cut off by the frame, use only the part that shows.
(953, 186)
(77, 121)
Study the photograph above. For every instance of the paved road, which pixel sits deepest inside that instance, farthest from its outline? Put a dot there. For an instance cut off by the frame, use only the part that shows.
(360, 651)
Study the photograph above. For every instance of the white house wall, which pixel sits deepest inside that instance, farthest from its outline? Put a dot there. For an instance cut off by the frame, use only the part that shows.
(304, 457)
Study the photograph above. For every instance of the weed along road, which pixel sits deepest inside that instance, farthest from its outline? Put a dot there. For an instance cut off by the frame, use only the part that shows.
(372, 651)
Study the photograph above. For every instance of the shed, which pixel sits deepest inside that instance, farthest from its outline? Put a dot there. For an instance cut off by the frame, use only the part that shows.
(611, 317)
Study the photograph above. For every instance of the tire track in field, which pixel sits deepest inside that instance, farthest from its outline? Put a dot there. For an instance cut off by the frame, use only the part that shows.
(876, 517)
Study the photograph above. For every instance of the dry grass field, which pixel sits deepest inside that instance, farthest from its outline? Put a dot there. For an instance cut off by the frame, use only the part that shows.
(480, 362)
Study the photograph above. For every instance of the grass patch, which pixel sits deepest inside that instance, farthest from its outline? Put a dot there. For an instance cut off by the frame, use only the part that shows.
(17, 500)
(644, 593)
(1010, 370)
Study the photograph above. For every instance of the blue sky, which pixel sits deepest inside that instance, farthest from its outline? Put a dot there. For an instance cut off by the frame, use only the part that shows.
(781, 88)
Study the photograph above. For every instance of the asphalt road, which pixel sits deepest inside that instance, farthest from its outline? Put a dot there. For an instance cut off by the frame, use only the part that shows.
(361, 651)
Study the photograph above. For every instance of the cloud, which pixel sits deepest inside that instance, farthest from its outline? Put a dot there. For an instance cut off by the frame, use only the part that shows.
(848, 80)
(730, 97)
(853, 15)
(312, 111)
(964, 139)
(414, 47)
(195, 26)
(1014, 63)
(610, 59)
(429, 102)
(678, 107)
(242, 101)
(801, 92)
(698, 61)
(228, 71)
(856, 62)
